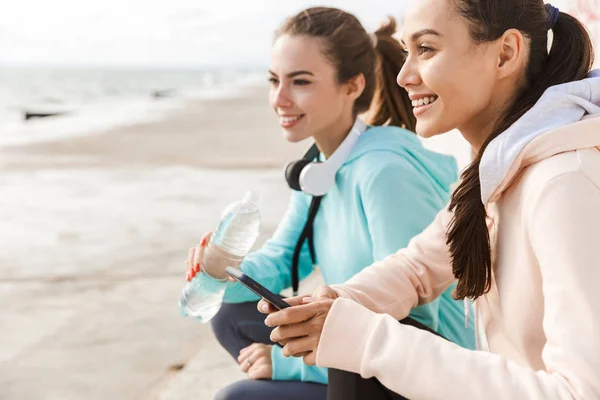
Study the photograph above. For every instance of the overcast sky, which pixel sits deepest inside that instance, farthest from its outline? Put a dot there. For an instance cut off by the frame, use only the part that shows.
(156, 32)
(171, 32)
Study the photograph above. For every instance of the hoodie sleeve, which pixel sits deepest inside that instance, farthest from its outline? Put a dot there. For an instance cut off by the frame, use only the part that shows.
(411, 277)
(564, 226)
(294, 369)
(271, 265)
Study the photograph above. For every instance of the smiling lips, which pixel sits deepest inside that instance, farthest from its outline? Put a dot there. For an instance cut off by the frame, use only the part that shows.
(287, 121)
(422, 104)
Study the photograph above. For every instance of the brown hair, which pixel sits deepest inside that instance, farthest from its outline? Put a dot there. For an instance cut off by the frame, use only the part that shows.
(351, 50)
(569, 59)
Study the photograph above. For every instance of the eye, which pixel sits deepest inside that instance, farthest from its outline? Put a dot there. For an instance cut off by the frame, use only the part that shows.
(301, 82)
(424, 49)
(273, 81)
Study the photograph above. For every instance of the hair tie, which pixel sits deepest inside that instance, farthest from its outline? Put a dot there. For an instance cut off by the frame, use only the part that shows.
(374, 39)
(553, 14)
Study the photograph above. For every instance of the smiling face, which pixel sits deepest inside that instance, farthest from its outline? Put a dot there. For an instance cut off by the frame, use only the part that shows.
(304, 92)
(450, 78)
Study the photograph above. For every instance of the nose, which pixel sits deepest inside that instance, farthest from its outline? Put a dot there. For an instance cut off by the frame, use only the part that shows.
(408, 75)
(280, 97)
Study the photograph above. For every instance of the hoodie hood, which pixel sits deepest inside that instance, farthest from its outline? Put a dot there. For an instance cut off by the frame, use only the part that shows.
(442, 168)
(560, 121)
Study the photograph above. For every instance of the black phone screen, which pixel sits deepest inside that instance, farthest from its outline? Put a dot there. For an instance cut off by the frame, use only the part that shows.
(257, 288)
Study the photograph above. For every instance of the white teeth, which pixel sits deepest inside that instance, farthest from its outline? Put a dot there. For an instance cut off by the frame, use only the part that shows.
(289, 120)
(424, 101)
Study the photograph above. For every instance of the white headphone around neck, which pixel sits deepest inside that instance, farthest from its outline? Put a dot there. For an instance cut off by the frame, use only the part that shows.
(316, 178)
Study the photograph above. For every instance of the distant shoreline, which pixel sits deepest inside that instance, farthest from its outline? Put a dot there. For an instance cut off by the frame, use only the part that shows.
(235, 131)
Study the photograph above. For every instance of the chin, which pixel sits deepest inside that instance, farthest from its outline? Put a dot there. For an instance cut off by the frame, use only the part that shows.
(427, 130)
(293, 136)
(430, 127)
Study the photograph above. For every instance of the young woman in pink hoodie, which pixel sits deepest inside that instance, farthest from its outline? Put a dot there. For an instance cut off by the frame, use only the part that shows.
(521, 234)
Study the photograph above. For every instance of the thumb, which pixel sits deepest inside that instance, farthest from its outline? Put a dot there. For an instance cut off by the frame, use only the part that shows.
(266, 308)
(324, 292)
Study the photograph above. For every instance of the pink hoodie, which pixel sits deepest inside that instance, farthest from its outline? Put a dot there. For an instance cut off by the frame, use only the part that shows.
(539, 326)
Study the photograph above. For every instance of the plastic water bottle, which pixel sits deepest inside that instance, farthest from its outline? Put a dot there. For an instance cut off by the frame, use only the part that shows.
(201, 298)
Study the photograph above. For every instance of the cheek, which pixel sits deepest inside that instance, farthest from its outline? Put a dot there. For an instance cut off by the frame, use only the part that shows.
(474, 83)
(313, 99)
(315, 104)
(443, 77)
(462, 89)
(325, 110)
(470, 99)
(305, 100)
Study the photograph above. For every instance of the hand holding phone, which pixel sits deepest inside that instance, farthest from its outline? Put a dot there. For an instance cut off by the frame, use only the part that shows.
(257, 288)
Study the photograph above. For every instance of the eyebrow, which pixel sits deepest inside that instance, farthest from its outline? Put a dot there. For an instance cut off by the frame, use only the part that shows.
(294, 74)
(423, 32)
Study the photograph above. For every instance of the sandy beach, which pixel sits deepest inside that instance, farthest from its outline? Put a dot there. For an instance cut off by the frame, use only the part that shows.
(95, 230)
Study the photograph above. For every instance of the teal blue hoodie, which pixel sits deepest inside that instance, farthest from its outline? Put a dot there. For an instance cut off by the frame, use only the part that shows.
(388, 191)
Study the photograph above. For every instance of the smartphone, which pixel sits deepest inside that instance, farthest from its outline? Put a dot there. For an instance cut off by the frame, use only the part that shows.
(257, 288)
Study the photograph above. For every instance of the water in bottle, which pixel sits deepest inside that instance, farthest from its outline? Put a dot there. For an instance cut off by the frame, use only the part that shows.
(237, 231)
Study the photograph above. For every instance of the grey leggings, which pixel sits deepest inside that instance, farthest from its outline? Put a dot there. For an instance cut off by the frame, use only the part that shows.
(237, 326)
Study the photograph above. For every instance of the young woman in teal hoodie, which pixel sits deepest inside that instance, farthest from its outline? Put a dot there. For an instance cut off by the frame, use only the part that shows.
(325, 71)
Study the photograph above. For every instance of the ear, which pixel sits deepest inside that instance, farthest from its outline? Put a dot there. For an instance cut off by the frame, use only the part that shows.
(512, 54)
(355, 87)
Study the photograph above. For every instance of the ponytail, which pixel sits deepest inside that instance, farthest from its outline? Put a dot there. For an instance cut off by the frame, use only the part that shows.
(570, 58)
(391, 104)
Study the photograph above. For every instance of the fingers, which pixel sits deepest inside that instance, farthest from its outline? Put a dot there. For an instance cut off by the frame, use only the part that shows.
(246, 364)
(296, 301)
(249, 349)
(205, 239)
(310, 359)
(198, 254)
(321, 293)
(293, 315)
(245, 353)
(245, 356)
(260, 370)
(253, 358)
(291, 331)
(195, 256)
(188, 263)
(266, 308)
(300, 346)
